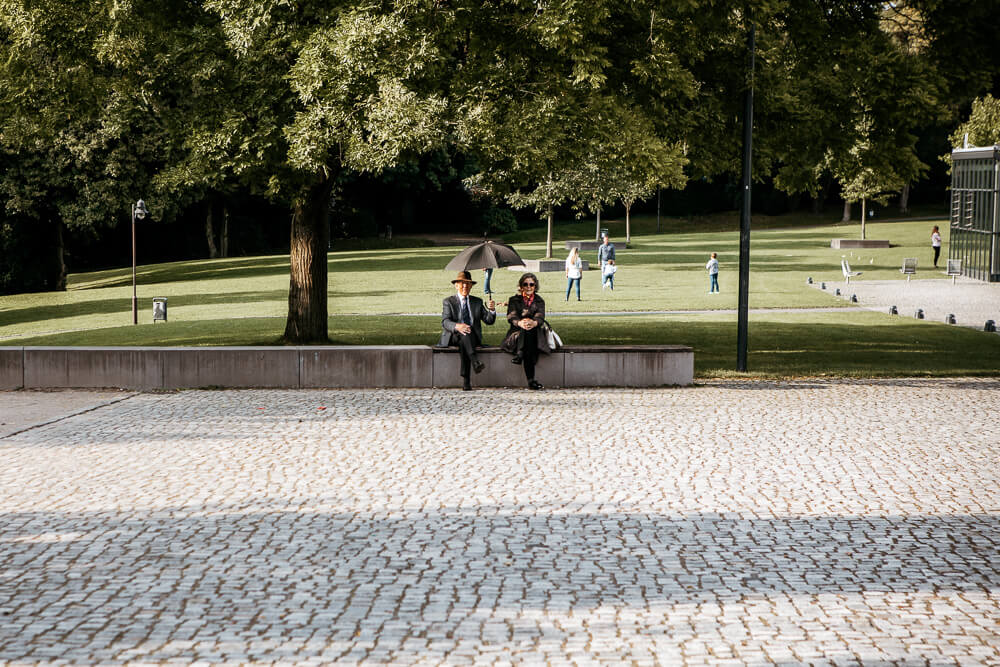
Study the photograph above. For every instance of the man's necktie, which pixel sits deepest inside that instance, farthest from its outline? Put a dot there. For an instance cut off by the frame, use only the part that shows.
(466, 313)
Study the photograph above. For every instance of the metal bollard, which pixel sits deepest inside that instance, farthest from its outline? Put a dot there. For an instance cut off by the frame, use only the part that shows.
(919, 314)
(836, 292)
(822, 285)
(949, 318)
(990, 326)
(854, 298)
(893, 311)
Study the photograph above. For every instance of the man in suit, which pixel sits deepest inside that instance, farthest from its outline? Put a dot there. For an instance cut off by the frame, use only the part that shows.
(461, 318)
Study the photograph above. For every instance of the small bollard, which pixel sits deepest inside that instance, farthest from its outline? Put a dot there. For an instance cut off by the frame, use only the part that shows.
(809, 280)
(990, 326)
(822, 285)
(836, 292)
(949, 318)
(893, 311)
(854, 298)
(919, 314)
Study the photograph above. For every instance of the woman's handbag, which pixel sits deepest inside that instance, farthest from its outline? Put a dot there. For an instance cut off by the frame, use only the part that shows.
(551, 337)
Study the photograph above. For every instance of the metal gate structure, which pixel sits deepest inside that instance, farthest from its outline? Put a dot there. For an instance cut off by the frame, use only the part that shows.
(975, 211)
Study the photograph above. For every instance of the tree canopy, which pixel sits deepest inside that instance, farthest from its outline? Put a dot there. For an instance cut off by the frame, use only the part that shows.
(544, 102)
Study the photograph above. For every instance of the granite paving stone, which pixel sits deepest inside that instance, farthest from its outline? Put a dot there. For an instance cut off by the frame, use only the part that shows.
(840, 522)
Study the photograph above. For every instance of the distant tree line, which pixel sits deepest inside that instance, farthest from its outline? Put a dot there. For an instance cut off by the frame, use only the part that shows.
(263, 124)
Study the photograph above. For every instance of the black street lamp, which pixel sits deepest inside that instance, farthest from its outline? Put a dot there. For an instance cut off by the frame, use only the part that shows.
(139, 211)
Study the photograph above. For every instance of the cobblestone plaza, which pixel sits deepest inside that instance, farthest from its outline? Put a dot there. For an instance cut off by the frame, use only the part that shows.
(733, 522)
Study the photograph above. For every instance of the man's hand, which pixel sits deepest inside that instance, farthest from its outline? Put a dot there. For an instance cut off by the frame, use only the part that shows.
(464, 329)
(491, 305)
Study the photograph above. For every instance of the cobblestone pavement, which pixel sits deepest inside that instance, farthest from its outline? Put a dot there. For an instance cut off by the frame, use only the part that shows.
(828, 522)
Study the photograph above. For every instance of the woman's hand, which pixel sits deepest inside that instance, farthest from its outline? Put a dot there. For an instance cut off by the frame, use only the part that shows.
(527, 324)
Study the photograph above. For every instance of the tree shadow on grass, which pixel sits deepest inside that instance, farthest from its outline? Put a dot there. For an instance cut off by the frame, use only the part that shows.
(216, 269)
(251, 583)
(108, 306)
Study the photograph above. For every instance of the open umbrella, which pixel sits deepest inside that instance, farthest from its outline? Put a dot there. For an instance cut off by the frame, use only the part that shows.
(485, 255)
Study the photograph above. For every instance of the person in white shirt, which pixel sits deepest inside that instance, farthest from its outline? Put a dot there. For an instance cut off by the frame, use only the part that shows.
(574, 271)
(936, 244)
(713, 273)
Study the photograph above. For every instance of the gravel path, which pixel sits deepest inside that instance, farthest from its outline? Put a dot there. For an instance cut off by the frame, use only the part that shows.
(972, 302)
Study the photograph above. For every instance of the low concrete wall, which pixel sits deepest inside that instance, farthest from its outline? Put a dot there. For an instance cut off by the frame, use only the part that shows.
(583, 245)
(370, 366)
(147, 368)
(191, 367)
(499, 372)
(11, 367)
(577, 366)
(65, 367)
(544, 265)
(858, 243)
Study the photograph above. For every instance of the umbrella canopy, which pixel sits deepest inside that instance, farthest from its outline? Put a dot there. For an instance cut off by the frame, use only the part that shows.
(485, 255)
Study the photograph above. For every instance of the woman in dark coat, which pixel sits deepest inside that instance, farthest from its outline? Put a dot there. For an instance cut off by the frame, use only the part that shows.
(525, 312)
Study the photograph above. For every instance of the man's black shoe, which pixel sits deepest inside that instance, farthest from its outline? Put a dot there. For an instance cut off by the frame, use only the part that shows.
(478, 366)
(467, 386)
(535, 384)
(517, 359)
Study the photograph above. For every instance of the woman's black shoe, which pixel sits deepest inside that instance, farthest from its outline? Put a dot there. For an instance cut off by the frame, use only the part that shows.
(517, 359)
(535, 384)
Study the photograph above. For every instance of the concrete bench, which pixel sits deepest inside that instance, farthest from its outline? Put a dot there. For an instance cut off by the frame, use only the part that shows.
(859, 243)
(148, 368)
(954, 269)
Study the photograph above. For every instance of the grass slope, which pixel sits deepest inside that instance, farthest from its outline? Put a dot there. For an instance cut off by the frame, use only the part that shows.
(242, 301)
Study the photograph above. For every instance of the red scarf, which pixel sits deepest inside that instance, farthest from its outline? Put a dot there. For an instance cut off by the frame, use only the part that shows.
(528, 300)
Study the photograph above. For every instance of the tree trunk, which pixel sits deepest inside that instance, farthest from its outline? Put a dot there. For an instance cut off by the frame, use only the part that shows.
(598, 225)
(210, 231)
(864, 214)
(904, 199)
(819, 201)
(628, 225)
(224, 232)
(847, 212)
(548, 236)
(307, 297)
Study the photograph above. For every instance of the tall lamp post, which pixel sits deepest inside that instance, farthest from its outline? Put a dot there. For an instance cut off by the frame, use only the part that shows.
(139, 211)
(743, 305)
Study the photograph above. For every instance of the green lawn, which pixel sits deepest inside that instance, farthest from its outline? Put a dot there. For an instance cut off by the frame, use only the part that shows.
(242, 301)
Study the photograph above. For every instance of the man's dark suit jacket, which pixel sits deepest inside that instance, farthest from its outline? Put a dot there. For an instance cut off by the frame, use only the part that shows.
(451, 315)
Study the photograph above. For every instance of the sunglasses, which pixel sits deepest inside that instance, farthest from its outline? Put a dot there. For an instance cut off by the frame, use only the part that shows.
(527, 284)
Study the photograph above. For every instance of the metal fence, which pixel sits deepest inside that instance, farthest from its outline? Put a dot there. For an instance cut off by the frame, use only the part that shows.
(975, 212)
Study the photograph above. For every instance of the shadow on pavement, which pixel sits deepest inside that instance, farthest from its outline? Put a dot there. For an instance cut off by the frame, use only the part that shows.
(254, 584)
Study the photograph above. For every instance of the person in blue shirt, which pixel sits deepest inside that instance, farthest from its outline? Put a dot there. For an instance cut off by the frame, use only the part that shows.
(713, 273)
(606, 257)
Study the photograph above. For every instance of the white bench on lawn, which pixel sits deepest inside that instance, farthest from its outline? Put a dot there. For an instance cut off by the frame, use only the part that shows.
(848, 274)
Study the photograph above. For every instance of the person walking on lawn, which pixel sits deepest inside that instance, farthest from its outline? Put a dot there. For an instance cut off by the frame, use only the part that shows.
(713, 273)
(461, 318)
(606, 257)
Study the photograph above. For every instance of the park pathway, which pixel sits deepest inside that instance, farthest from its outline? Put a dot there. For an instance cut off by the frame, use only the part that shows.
(732, 522)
